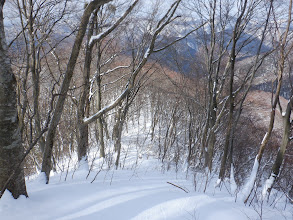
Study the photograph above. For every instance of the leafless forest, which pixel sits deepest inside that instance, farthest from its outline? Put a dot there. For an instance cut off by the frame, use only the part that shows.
(210, 79)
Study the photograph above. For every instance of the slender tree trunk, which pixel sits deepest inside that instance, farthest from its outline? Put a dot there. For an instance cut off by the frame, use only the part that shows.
(154, 119)
(280, 156)
(33, 66)
(99, 104)
(120, 119)
(229, 133)
(226, 147)
(209, 134)
(230, 128)
(11, 149)
(212, 135)
(116, 128)
(83, 104)
(117, 142)
(117, 133)
(228, 138)
(190, 139)
(285, 140)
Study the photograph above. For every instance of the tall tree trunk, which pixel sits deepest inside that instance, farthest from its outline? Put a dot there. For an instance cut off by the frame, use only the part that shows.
(237, 31)
(99, 103)
(83, 105)
(117, 133)
(34, 69)
(212, 136)
(47, 163)
(11, 150)
(281, 66)
(280, 156)
(190, 139)
(229, 133)
(116, 128)
(228, 138)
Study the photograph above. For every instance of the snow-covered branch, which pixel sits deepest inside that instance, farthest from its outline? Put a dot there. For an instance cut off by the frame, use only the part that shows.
(167, 18)
(180, 38)
(114, 69)
(96, 38)
(109, 60)
(116, 80)
(106, 108)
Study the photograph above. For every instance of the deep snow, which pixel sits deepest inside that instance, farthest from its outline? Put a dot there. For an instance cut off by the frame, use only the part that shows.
(139, 193)
(138, 190)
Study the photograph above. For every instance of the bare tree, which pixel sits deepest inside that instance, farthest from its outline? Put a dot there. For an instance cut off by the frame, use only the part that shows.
(284, 52)
(91, 42)
(286, 115)
(47, 164)
(38, 24)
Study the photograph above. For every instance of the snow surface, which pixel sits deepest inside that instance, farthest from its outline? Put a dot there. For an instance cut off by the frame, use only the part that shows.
(138, 191)
(141, 193)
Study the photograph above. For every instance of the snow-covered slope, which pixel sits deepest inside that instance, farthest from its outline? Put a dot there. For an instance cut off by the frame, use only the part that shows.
(140, 193)
(141, 188)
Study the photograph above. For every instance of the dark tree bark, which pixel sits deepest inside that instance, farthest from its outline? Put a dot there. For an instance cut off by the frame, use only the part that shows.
(83, 101)
(11, 149)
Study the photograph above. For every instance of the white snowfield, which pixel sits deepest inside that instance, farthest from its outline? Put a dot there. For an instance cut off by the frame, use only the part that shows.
(140, 193)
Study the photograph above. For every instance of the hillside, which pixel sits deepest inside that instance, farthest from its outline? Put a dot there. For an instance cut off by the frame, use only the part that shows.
(141, 190)
(258, 107)
(146, 110)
